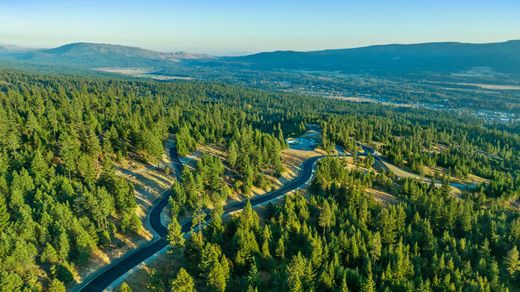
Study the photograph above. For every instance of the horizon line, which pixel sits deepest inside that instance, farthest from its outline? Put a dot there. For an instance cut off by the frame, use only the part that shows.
(239, 52)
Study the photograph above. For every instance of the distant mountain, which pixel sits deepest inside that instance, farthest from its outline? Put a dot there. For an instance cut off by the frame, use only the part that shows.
(473, 60)
(464, 58)
(6, 49)
(93, 55)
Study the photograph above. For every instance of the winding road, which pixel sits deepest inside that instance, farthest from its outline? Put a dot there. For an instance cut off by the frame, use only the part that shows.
(380, 163)
(111, 273)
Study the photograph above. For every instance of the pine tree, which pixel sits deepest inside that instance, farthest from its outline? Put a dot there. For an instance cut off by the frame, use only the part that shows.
(39, 167)
(297, 272)
(64, 245)
(512, 261)
(368, 284)
(375, 250)
(183, 282)
(57, 286)
(69, 152)
(265, 249)
(4, 214)
(325, 219)
(280, 248)
(344, 286)
(216, 226)
(249, 218)
(278, 165)
(253, 275)
(214, 267)
(153, 146)
(175, 236)
(124, 287)
(198, 219)
(232, 154)
(49, 254)
(280, 136)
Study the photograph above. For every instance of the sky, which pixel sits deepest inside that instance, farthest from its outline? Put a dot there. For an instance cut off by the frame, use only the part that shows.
(227, 27)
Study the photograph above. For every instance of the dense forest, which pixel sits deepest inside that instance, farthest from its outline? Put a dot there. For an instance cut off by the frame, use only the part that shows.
(339, 239)
(60, 197)
(461, 146)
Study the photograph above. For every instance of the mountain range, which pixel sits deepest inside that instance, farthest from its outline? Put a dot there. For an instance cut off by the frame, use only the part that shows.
(447, 57)
(92, 55)
(428, 57)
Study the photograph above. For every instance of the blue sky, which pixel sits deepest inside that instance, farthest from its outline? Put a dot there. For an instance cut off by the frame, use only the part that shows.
(233, 26)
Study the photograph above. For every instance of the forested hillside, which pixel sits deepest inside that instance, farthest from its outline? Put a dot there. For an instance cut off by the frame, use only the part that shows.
(60, 198)
(339, 239)
(395, 59)
(59, 195)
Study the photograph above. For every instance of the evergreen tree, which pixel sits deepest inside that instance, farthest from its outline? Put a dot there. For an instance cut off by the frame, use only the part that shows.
(253, 276)
(368, 284)
(124, 287)
(297, 272)
(175, 236)
(280, 248)
(344, 286)
(69, 152)
(57, 286)
(325, 219)
(280, 136)
(4, 214)
(214, 267)
(198, 219)
(375, 251)
(513, 261)
(232, 154)
(153, 146)
(183, 282)
(216, 226)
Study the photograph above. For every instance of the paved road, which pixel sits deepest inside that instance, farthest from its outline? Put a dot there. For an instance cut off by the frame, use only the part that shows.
(380, 163)
(116, 270)
(113, 272)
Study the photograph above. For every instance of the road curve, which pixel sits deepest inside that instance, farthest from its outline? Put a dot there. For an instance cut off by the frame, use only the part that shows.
(383, 164)
(119, 268)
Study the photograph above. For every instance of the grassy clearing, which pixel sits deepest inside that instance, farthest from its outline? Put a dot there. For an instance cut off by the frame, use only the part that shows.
(382, 196)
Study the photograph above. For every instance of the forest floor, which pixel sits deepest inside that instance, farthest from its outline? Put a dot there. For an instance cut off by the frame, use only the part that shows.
(381, 196)
(150, 182)
(515, 205)
(140, 278)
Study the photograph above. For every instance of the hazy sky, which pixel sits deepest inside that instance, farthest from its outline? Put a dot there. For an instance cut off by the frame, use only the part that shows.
(238, 26)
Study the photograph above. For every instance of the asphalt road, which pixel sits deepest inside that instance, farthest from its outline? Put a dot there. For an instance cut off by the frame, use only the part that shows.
(116, 270)
(113, 272)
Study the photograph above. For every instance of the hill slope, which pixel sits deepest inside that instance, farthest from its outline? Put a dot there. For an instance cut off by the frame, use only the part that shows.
(492, 59)
(93, 55)
(428, 57)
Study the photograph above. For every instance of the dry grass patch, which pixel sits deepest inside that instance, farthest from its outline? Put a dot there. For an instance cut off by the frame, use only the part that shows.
(293, 159)
(164, 264)
(471, 179)
(120, 245)
(381, 196)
